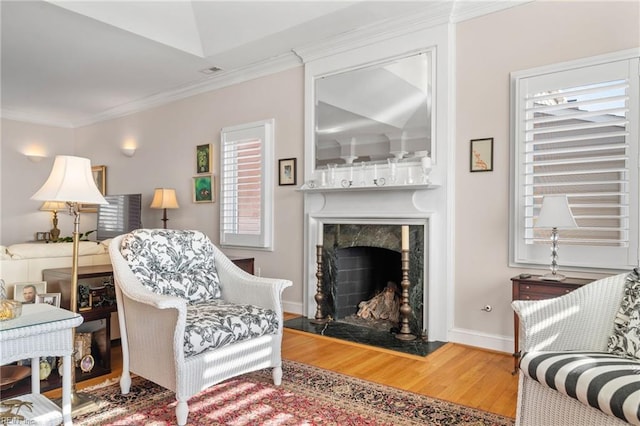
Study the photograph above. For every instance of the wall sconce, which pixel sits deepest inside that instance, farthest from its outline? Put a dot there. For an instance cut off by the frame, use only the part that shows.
(128, 152)
(35, 158)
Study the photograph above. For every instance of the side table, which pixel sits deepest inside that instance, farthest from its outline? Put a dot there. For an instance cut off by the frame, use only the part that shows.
(42, 330)
(535, 288)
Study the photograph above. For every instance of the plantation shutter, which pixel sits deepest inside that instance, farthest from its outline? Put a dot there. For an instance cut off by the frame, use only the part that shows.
(578, 135)
(246, 193)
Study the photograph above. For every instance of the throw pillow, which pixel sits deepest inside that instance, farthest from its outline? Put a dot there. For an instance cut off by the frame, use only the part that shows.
(625, 340)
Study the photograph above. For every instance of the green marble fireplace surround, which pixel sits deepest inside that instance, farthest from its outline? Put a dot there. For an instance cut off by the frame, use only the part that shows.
(359, 260)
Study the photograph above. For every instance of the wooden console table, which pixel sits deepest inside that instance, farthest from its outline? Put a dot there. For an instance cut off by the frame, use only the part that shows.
(535, 288)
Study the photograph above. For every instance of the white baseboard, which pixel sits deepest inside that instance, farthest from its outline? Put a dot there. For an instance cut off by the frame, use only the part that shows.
(292, 307)
(456, 335)
(482, 340)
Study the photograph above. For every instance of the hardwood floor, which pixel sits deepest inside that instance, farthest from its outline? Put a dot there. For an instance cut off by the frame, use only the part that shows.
(461, 374)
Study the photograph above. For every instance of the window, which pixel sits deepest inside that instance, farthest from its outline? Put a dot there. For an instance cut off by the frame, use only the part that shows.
(246, 187)
(575, 132)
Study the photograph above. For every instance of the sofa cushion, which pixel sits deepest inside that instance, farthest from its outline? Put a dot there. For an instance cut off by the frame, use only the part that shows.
(217, 323)
(173, 262)
(40, 250)
(599, 379)
(625, 340)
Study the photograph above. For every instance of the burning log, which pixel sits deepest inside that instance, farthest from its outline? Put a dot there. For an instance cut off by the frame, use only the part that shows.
(384, 305)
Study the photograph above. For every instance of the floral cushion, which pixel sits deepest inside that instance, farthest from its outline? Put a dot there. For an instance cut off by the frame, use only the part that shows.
(625, 340)
(173, 262)
(218, 323)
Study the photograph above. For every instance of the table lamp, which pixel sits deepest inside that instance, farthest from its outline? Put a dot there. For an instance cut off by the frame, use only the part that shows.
(54, 206)
(555, 214)
(71, 181)
(164, 198)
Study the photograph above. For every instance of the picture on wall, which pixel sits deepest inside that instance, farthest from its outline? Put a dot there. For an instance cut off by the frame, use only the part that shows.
(481, 159)
(287, 167)
(100, 178)
(203, 189)
(204, 159)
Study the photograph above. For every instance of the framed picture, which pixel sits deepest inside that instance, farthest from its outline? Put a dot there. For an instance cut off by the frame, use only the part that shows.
(204, 159)
(49, 298)
(287, 175)
(203, 189)
(26, 292)
(100, 178)
(481, 159)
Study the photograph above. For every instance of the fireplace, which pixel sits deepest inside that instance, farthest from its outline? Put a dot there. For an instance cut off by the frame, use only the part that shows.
(368, 220)
(359, 261)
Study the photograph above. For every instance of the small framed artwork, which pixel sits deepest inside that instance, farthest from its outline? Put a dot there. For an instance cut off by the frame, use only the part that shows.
(27, 292)
(481, 155)
(287, 175)
(204, 159)
(100, 178)
(203, 189)
(49, 298)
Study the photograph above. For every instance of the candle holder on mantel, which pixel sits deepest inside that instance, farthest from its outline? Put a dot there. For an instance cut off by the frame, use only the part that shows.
(405, 307)
(320, 318)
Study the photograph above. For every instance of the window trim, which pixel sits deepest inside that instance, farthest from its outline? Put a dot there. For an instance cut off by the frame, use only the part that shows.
(584, 254)
(264, 240)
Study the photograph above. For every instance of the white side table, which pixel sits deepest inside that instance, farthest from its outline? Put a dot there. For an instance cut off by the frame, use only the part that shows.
(42, 330)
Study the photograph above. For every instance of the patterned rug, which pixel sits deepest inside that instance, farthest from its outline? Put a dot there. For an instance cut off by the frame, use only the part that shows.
(307, 396)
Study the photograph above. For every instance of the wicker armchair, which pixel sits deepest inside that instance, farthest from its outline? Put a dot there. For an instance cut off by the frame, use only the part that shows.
(152, 327)
(578, 321)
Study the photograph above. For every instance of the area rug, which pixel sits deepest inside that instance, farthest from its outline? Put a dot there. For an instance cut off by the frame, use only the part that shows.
(307, 396)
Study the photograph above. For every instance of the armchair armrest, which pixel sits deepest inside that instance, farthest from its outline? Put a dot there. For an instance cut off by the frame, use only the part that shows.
(580, 320)
(241, 287)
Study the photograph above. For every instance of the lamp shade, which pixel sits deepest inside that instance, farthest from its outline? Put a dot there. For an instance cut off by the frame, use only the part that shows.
(53, 206)
(164, 198)
(70, 180)
(555, 213)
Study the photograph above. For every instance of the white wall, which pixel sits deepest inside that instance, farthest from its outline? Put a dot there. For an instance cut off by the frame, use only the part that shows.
(20, 218)
(166, 137)
(487, 50)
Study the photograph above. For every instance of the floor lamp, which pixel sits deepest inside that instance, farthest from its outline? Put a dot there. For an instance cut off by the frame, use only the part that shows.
(71, 181)
(555, 213)
(164, 198)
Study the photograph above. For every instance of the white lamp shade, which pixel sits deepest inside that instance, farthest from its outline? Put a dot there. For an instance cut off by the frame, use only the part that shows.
(555, 213)
(71, 181)
(164, 198)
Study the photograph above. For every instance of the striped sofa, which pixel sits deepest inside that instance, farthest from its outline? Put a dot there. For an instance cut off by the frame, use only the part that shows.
(579, 362)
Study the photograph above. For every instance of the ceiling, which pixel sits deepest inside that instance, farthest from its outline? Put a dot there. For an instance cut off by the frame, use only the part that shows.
(72, 63)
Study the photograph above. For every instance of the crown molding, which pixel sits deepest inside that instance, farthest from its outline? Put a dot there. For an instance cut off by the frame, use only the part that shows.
(438, 14)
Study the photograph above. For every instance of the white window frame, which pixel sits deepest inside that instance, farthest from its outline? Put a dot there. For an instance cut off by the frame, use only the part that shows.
(265, 131)
(573, 257)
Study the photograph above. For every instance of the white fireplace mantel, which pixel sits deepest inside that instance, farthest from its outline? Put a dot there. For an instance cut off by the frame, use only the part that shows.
(414, 187)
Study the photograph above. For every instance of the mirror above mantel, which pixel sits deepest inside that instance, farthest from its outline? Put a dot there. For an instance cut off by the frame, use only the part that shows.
(375, 112)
